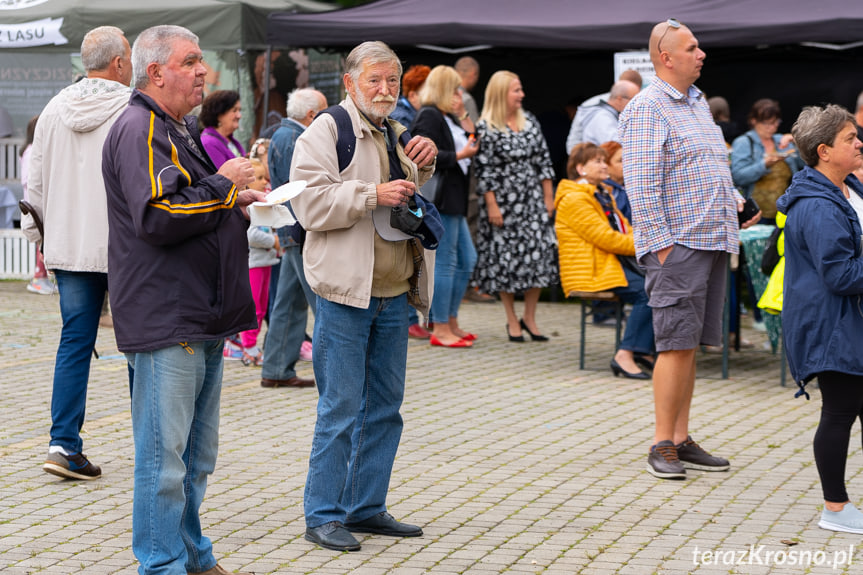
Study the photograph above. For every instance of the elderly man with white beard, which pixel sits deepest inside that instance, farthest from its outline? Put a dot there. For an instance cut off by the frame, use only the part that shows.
(364, 273)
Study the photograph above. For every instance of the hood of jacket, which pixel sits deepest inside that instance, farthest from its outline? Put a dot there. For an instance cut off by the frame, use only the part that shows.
(588, 112)
(567, 187)
(91, 102)
(810, 183)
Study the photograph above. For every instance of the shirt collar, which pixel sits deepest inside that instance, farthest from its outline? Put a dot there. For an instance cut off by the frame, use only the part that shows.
(693, 94)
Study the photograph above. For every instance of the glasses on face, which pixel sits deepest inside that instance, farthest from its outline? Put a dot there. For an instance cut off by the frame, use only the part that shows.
(670, 23)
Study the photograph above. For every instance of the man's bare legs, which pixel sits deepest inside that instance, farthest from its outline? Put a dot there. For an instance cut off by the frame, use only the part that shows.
(673, 385)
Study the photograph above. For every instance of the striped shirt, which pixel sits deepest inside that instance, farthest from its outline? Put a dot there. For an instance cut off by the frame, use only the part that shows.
(675, 166)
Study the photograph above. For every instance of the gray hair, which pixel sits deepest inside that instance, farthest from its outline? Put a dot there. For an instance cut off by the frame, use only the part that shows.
(301, 101)
(859, 102)
(155, 45)
(100, 46)
(370, 53)
(815, 126)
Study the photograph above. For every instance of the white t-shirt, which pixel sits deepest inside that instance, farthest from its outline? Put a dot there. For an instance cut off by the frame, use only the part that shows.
(856, 203)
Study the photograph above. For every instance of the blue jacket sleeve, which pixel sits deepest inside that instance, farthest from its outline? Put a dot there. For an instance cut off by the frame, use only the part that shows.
(747, 161)
(833, 245)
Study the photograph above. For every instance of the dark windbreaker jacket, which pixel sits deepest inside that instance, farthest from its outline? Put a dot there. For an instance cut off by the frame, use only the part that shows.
(822, 309)
(177, 248)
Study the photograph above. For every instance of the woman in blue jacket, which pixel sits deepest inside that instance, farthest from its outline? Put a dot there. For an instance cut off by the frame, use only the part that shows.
(822, 313)
(762, 161)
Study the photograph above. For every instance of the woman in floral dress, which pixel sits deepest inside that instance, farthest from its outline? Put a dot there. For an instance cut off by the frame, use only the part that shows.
(516, 241)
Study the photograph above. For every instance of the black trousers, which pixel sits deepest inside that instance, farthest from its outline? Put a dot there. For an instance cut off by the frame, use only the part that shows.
(841, 404)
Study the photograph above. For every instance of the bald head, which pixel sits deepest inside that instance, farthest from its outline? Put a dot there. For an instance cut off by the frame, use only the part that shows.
(468, 69)
(675, 54)
(621, 93)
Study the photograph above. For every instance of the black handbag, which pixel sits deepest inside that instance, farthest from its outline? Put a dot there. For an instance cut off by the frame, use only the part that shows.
(431, 189)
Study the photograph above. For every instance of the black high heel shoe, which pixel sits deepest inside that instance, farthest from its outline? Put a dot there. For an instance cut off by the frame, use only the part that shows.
(643, 362)
(514, 338)
(533, 336)
(617, 370)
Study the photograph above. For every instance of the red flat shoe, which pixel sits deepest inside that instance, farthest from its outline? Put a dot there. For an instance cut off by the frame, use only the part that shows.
(469, 336)
(460, 343)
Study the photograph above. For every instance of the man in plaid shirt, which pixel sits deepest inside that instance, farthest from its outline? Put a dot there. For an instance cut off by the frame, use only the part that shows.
(684, 213)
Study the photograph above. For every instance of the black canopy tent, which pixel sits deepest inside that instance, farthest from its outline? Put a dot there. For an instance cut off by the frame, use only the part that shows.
(564, 24)
(795, 52)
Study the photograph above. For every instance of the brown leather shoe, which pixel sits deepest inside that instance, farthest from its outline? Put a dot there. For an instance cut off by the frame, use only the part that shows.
(292, 382)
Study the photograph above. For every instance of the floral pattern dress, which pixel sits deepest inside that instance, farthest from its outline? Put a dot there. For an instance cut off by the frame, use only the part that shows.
(522, 254)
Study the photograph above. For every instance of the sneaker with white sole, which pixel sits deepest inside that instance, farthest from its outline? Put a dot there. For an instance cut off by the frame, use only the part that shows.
(693, 456)
(664, 463)
(42, 286)
(74, 466)
(849, 520)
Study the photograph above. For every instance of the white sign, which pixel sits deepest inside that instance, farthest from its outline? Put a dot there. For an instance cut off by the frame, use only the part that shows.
(638, 61)
(37, 33)
(19, 4)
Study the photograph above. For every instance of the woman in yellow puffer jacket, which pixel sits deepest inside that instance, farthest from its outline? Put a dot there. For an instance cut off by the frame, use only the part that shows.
(597, 253)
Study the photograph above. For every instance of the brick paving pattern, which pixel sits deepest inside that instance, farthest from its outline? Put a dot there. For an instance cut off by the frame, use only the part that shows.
(512, 461)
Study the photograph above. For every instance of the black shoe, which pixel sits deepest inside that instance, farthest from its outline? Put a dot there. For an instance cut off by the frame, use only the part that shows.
(384, 524)
(693, 456)
(533, 336)
(616, 369)
(644, 362)
(514, 338)
(332, 535)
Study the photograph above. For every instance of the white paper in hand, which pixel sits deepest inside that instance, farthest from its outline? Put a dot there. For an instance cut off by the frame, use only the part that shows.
(274, 216)
(284, 193)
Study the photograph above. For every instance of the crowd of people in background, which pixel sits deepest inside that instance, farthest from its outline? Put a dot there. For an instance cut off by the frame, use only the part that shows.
(655, 178)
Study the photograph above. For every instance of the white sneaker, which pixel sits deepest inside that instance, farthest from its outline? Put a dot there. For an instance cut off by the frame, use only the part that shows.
(43, 286)
(849, 520)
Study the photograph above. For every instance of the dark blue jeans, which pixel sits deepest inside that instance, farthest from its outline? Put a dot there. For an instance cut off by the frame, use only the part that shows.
(638, 336)
(81, 297)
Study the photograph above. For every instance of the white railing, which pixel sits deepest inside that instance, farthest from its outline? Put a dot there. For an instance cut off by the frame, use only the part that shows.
(17, 255)
(10, 149)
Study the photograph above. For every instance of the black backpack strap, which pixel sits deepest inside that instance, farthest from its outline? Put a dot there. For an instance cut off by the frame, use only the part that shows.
(346, 144)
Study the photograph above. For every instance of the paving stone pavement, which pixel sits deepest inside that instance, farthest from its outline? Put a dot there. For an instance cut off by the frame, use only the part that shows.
(512, 461)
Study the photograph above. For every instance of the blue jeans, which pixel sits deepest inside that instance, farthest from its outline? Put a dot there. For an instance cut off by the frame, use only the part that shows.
(175, 423)
(81, 297)
(360, 360)
(638, 336)
(454, 262)
(287, 328)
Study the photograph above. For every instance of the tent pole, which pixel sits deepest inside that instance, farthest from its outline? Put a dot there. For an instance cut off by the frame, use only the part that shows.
(266, 88)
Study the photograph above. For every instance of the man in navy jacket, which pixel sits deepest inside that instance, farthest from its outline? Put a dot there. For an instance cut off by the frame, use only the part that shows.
(178, 282)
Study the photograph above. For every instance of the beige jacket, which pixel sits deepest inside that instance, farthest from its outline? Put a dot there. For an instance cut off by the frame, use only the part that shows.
(65, 182)
(336, 211)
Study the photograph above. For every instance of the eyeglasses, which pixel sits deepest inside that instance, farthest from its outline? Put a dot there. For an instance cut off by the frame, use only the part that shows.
(670, 23)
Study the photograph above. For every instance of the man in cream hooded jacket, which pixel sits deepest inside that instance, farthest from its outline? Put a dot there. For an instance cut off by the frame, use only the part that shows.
(67, 192)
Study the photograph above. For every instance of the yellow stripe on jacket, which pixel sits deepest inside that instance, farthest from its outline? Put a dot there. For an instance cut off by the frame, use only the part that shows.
(156, 183)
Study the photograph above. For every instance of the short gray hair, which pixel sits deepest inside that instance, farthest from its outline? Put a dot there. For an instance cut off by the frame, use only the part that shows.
(100, 46)
(375, 52)
(155, 45)
(818, 125)
(301, 101)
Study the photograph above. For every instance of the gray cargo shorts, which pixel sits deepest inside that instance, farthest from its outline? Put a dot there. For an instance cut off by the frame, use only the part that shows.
(687, 295)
